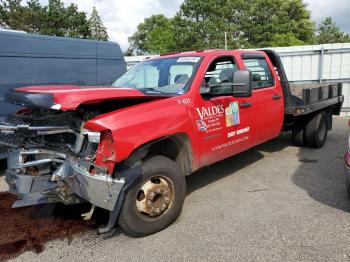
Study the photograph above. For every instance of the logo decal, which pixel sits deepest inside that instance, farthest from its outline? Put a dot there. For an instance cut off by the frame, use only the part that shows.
(205, 112)
(232, 114)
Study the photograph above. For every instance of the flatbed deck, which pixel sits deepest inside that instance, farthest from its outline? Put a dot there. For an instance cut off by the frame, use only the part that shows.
(301, 100)
(308, 98)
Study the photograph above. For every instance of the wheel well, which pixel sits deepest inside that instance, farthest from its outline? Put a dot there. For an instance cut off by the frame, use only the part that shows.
(175, 147)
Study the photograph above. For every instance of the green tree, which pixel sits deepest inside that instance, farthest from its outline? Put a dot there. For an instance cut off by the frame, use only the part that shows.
(64, 21)
(251, 23)
(155, 35)
(202, 24)
(328, 32)
(248, 23)
(33, 17)
(11, 14)
(52, 19)
(275, 22)
(97, 28)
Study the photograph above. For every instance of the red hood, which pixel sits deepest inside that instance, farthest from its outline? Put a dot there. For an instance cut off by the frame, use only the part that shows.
(70, 97)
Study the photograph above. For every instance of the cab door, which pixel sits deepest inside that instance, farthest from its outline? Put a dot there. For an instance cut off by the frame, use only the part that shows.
(268, 97)
(225, 124)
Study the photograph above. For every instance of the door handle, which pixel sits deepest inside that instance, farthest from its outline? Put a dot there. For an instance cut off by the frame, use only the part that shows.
(276, 97)
(245, 105)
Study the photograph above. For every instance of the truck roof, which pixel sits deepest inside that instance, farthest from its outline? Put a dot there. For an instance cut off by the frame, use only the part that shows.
(207, 52)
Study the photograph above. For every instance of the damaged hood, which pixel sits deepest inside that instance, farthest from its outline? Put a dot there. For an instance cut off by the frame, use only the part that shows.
(69, 97)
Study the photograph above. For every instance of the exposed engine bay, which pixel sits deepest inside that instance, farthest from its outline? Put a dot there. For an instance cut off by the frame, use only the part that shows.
(52, 158)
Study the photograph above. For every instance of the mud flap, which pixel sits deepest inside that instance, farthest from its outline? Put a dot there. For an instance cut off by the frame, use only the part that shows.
(132, 176)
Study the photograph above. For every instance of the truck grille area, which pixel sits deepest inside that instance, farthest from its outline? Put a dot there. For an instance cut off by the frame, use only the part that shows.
(39, 129)
(41, 118)
(56, 140)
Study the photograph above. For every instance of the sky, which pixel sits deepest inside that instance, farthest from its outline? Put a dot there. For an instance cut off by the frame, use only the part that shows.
(121, 17)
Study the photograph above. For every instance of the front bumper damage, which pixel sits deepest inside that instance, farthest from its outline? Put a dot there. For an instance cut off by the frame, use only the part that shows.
(64, 173)
(71, 183)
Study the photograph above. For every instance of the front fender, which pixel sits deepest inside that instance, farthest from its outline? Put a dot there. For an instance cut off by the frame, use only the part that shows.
(135, 126)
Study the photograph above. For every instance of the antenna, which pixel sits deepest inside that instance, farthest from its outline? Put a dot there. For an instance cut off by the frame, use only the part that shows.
(225, 40)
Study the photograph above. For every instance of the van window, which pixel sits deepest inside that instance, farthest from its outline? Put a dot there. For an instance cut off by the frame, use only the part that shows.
(262, 76)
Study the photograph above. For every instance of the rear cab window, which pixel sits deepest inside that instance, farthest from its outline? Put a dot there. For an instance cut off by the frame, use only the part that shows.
(261, 73)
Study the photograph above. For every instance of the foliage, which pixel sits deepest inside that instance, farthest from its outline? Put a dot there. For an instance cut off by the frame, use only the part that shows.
(328, 32)
(201, 24)
(248, 23)
(155, 35)
(97, 28)
(266, 23)
(59, 20)
(51, 19)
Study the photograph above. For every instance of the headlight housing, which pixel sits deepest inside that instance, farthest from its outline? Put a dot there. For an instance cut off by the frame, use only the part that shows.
(94, 137)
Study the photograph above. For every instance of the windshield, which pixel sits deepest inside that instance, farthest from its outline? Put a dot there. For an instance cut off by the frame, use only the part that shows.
(161, 76)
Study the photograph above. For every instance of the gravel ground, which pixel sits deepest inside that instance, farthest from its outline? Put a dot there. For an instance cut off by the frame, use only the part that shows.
(275, 202)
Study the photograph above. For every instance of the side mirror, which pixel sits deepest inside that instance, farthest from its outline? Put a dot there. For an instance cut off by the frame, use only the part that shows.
(242, 83)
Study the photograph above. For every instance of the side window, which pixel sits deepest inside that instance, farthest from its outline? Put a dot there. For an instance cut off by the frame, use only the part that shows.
(262, 76)
(220, 71)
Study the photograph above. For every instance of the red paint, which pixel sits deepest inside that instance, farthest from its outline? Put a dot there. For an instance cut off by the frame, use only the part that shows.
(71, 97)
(132, 127)
(105, 154)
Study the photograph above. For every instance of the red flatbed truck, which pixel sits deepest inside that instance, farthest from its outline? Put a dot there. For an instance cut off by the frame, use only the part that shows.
(127, 148)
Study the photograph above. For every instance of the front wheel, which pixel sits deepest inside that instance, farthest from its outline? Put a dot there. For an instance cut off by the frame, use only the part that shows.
(156, 201)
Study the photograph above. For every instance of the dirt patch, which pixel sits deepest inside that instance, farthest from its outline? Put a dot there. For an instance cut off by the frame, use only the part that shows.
(29, 228)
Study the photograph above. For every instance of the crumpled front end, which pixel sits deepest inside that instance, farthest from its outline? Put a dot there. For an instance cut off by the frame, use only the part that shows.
(52, 158)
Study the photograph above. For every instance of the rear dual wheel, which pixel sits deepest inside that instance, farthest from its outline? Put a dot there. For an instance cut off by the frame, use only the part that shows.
(347, 183)
(156, 201)
(314, 134)
(298, 136)
(316, 131)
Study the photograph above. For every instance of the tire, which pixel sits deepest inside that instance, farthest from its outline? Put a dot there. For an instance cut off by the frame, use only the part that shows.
(347, 183)
(298, 136)
(143, 210)
(316, 131)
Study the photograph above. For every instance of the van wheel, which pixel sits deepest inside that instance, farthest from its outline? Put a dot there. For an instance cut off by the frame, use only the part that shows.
(298, 135)
(156, 201)
(316, 131)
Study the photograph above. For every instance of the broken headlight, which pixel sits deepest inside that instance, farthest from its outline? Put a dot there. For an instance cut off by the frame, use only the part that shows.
(94, 137)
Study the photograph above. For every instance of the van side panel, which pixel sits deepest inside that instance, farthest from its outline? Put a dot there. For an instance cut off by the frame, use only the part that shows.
(110, 62)
(27, 59)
